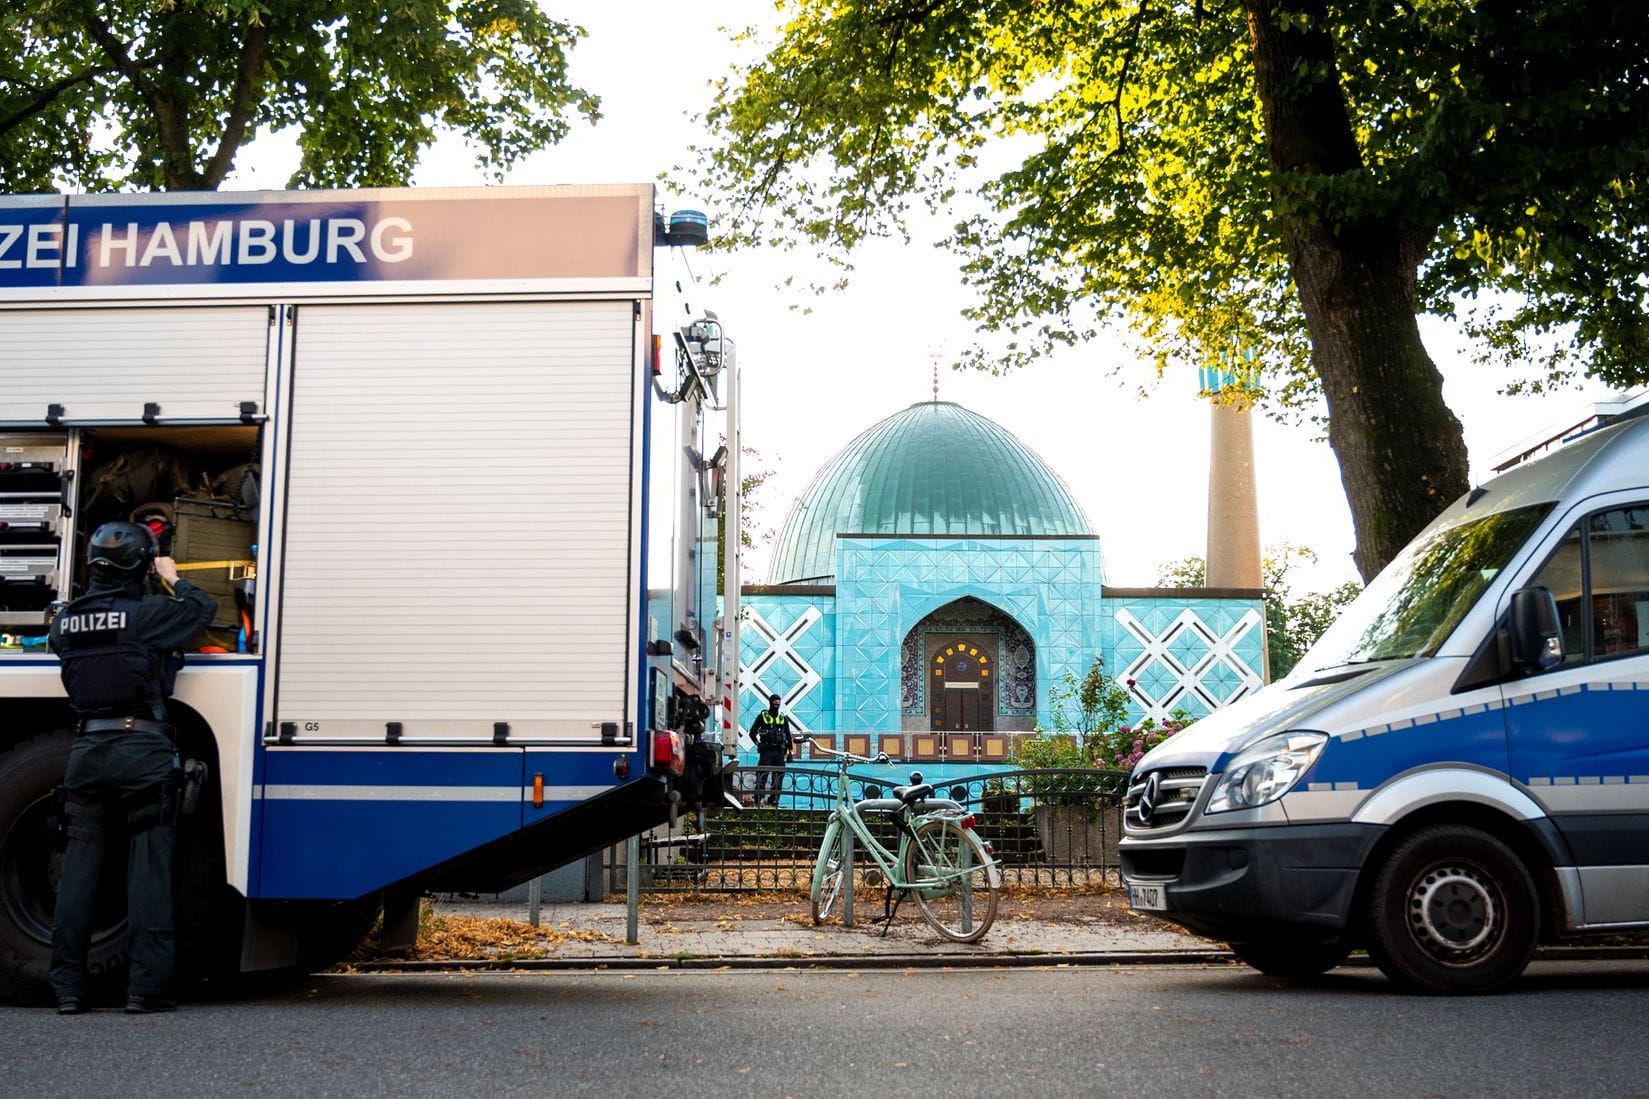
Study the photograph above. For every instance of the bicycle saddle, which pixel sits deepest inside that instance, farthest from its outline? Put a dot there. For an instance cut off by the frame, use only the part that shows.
(910, 795)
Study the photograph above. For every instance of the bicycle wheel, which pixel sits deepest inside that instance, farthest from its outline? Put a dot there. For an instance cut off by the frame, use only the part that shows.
(827, 874)
(955, 881)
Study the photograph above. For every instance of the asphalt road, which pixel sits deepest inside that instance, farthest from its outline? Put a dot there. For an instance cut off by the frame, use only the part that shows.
(1567, 1029)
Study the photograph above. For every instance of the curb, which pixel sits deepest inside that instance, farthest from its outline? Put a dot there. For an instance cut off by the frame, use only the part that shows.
(908, 961)
(823, 961)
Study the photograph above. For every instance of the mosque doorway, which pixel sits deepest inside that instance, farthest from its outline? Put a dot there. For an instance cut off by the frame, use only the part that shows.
(967, 677)
(962, 684)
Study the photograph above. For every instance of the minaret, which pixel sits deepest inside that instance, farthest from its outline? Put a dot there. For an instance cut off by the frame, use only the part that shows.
(1233, 508)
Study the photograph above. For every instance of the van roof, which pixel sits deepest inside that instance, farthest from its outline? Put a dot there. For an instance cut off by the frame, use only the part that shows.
(1607, 460)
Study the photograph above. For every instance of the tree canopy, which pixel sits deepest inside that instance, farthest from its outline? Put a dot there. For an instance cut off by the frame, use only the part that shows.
(119, 94)
(1283, 181)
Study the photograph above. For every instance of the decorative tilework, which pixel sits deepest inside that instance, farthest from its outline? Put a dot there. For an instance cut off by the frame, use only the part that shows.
(1194, 658)
(1050, 587)
(772, 660)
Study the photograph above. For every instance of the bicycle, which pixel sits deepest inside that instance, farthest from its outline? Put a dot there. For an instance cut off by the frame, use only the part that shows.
(939, 860)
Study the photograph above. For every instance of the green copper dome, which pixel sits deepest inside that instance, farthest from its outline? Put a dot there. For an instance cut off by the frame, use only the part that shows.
(933, 469)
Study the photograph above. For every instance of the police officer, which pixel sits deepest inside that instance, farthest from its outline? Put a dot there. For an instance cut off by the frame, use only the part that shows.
(119, 651)
(771, 732)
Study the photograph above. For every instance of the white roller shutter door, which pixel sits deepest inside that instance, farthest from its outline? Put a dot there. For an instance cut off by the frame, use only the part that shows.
(458, 509)
(104, 365)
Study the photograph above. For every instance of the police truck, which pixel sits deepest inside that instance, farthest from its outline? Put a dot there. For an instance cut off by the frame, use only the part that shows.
(456, 504)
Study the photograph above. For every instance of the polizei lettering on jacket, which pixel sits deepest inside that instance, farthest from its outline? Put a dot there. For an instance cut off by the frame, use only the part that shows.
(92, 621)
(212, 242)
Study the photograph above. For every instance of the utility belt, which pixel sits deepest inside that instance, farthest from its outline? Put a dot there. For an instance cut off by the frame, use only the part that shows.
(171, 802)
(124, 725)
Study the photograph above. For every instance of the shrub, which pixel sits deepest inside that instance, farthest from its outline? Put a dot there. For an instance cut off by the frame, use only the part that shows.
(1123, 748)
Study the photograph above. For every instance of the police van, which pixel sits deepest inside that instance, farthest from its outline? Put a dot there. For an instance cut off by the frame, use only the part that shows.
(1456, 772)
(456, 503)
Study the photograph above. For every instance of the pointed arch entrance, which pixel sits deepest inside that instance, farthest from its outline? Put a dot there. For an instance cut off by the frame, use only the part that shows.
(968, 678)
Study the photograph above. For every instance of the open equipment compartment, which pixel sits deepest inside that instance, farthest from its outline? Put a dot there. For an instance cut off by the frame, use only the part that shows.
(198, 488)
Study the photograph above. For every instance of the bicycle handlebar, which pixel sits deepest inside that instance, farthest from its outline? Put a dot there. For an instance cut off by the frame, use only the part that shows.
(846, 756)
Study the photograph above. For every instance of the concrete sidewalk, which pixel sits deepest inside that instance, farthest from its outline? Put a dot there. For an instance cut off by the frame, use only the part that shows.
(782, 935)
(586, 936)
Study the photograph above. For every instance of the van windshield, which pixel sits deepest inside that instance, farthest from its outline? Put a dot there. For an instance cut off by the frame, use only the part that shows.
(1418, 599)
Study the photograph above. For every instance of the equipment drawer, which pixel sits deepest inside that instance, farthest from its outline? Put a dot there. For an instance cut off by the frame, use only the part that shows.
(30, 484)
(29, 519)
(28, 586)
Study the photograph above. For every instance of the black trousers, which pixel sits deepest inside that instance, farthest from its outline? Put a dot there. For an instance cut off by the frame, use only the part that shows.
(769, 782)
(118, 783)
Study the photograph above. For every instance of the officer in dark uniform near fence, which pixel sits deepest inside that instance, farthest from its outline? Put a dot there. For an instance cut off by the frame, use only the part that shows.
(119, 650)
(771, 732)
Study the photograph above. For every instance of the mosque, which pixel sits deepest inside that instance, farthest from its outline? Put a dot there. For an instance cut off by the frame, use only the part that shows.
(935, 580)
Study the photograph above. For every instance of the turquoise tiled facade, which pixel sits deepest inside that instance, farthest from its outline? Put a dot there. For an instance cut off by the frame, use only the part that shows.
(882, 550)
(886, 586)
(835, 659)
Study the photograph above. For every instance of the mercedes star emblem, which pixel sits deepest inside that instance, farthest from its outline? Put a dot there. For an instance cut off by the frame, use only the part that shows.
(1148, 797)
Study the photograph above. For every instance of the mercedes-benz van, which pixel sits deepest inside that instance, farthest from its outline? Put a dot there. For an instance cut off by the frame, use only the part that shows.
(1456, 772)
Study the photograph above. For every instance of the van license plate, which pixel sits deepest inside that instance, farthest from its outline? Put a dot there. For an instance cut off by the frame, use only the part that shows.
(1147, 897)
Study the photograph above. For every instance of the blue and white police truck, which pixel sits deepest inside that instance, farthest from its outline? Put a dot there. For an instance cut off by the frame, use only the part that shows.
(1456, 772)
(455, 501)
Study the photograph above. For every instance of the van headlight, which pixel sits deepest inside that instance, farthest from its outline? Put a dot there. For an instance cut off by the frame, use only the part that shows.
(1266, 770)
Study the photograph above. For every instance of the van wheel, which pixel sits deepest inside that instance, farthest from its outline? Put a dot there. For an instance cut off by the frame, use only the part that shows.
(1453, 910)
(31, 856)
(1291, 961)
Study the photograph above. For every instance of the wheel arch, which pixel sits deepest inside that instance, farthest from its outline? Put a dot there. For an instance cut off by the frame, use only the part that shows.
(195, 739)
(1533, 841)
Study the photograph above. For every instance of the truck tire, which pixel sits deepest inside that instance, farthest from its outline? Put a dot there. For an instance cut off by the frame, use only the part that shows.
(329, 933)
(1453, 910)
(31, 854)
(1291, 961)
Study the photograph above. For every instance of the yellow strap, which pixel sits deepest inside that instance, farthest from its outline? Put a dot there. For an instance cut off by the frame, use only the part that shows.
(192, 565)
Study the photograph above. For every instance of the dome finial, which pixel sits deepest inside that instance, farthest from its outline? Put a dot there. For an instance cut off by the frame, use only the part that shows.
(934, 356)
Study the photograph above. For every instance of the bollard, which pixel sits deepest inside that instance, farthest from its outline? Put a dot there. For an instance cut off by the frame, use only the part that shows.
(632, 891)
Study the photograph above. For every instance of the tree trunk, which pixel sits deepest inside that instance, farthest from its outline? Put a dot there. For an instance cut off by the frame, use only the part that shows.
(1401, 451)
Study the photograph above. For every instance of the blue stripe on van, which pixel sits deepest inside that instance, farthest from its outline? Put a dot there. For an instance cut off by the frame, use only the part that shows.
(1475, 736)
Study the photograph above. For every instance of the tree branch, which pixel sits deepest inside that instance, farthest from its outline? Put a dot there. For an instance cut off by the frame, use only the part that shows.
(1127, 63)
(47, 96)
(116, 51)
(243, 104)
(913, 14)
(178, 167)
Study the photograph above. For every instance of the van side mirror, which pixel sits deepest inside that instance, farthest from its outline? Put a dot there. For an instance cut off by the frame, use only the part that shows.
(1536, 634)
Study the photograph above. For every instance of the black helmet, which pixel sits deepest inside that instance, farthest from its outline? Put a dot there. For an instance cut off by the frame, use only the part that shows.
(121, 547)
(773, 697)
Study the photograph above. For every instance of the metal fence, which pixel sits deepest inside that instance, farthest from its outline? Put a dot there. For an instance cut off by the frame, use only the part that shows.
(1047, 827)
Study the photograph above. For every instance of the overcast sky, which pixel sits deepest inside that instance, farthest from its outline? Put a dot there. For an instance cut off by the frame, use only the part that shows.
(1137, 463)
